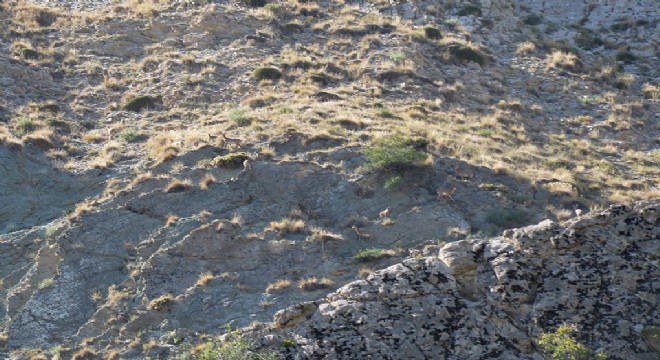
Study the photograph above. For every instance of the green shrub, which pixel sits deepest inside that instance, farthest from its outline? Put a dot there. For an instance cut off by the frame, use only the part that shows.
(29, 54)
(470, 10)
(25, 124)
(240, 117)
(46, 283)
(398, 56)
(626, 57)
(234, 347)
(561, 345)
(485, 132)
(466, 53)
(130, 136)
(140, 102)
(394, 152)
(557, 164)
(384, 112)
(266, 73)
(652, 336)
(393, 182)
(622, 25)
(254, 3)
(533, 20)
(432, 33)
(234, 160)
(366, 255)
(506, 218)
(289, 342)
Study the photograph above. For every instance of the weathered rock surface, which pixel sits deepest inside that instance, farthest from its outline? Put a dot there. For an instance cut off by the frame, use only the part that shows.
(490, 299)
(33, 193)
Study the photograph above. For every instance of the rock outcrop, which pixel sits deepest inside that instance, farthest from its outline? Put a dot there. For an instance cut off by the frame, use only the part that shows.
(490, 299)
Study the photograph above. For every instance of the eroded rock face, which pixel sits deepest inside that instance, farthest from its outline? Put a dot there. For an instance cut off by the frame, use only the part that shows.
(33, 193)
(486, 299)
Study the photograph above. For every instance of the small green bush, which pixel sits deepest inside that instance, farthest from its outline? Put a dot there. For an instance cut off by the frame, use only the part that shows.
(289, 342)
(394, 152)
(506, 218)
(652, 336)
(233, 347)
(234, 160)
(533, 20)
(130, 136)
(29, 54)
(46, 283)
(255, 3)
(366, 255)
(466, 53)
(394, 182)
(240, 117)
(398, 56)
(626, 57)
(266, 73)
(561, 345)
(140, 102)
(485, 132)
(25, 124)
(470, 10)
(432, 33)
(384, 112)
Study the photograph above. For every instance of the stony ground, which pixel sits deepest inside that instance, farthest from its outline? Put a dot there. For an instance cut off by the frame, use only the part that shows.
(120, 227)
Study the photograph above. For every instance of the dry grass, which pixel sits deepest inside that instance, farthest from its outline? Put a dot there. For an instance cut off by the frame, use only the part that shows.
(206, 181)
(563, 60)
(170, 220)
(651, 91)
(525, 48)
(177, 185)
(314, 283)
(237, 220)
(288, 226)
(205, 279)
(148, 8)
(278, 287)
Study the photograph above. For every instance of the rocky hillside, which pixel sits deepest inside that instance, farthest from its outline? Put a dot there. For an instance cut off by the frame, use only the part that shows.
(168, 167)
(492, 299)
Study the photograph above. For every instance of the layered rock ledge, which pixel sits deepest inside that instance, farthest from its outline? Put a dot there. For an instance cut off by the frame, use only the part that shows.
(490, 299)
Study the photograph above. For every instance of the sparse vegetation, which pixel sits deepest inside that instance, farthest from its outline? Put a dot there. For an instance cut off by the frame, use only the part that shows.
(314, 283)
(533, 19)
(367, 255)
(177, 185)
(564, 60)
(240, 117)
(46, 283)
(508, 218)
(130, 135)
(470, 9)
(161, 303)
(267, 73)
(25, 124)
(288, 226)
(205, 279)
(561, 345)
(432, 33)
(395, 152)
(232, 347)
(278, 286)
(233, 160)
(140, 102)
(466, 53)
(29, 54)
(139, 116)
